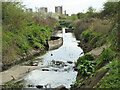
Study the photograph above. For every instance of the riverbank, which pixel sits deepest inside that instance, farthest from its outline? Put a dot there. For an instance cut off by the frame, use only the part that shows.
(19, 71)
(91, 81)
(26, 36)
(16, 72)
(31, 54)
(99, 41)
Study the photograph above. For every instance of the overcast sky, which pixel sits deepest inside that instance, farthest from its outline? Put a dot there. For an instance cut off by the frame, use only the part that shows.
(71, 6)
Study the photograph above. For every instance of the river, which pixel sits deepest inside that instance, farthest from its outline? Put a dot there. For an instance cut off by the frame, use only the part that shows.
(60, 63)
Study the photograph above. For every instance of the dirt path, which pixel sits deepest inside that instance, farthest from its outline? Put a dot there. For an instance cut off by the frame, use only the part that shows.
(17, 72)
(97, 51)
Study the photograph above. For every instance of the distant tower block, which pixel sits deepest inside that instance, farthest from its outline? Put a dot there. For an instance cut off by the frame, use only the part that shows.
(58, 9)
(65, 12)
(44, 9)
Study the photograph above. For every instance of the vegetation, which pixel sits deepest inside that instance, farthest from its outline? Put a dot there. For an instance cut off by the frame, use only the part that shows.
(85, 67)
(106, 55)
(11, 85)
(111, 79)
(22, 31)
(94, 30)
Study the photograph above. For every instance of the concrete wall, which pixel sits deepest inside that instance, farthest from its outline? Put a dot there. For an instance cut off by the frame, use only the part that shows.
(54, 44)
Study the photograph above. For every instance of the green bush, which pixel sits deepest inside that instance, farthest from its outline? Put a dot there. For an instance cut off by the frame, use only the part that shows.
(88, 57)
(36, 45)
(20, 35)
(76, 83)
(85, 65)
(106, 55)
(89, 36)
(111, 79)
(57, 25)
(70, 25)
(11, 85)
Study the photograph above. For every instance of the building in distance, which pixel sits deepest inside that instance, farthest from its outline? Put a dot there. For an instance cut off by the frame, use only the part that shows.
(44, 9)
(58, 9)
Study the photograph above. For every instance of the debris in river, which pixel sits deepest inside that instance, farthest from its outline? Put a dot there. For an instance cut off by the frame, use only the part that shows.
(35, 64)
(58, 62)
(13, 78)
(39, 86)
(70, 62)
(29, 85)
(65, 65)
(45, 69)
(51, 54)
(53, 61)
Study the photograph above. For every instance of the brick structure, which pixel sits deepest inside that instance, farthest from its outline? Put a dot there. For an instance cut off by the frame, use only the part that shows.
(44, 9)
(58, 9)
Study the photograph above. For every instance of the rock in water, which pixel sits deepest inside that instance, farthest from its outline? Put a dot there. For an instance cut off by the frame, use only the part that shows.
(61, 87)
(45, 69)
(29, 85)
(35, 64)
(70, 62)
(39, 86)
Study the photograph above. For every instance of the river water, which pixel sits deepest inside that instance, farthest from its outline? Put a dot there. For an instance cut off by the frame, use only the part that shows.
(60, 64)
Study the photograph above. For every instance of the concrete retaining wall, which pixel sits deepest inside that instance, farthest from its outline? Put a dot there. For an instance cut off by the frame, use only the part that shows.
(54, 44)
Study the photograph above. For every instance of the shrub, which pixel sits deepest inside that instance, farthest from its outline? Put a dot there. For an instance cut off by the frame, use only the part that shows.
(90, 36)
(88, 57)
(111, 79)
(106, 55)
(36, 45)
(70, 25)
(81, 26)
(76, 83)
(85, 65)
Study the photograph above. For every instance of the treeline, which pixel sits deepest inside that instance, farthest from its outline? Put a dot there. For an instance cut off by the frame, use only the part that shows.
(23, 32)
(95, 29)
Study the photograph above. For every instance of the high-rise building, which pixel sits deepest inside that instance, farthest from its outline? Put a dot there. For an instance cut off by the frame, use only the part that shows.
(65, 12)
(44, 9)
(58, 9)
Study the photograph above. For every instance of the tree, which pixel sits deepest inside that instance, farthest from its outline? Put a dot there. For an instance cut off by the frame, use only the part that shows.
(118, 29)
(91, 10)
(110, 8)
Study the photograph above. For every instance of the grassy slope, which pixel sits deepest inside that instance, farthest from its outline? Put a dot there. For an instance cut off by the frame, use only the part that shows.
(95, 32)
(21, 33)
